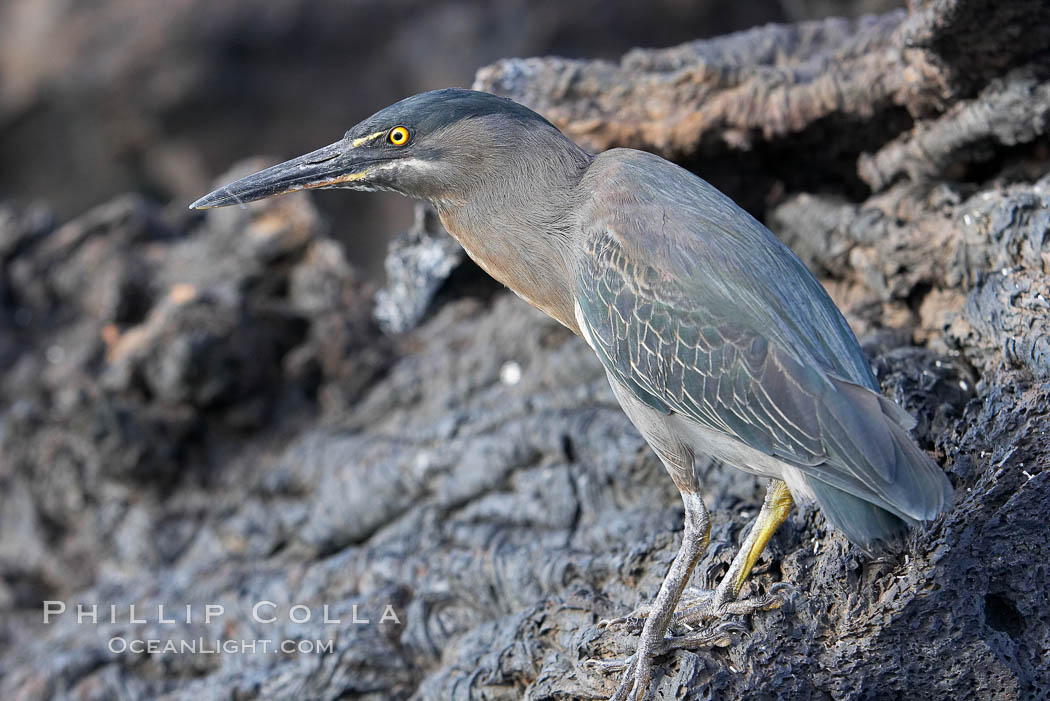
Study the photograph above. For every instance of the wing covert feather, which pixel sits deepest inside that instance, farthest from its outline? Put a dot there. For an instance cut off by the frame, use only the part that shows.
(709, 367)
(714, 319)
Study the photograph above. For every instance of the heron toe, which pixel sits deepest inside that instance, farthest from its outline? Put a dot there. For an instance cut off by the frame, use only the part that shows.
(703, 604)
(716, 339)
(635, 679)
(632, 622)
(719, 636)
(700, 604)
(637, 670)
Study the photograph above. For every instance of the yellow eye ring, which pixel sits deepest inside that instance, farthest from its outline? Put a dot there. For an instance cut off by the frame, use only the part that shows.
(398, 136)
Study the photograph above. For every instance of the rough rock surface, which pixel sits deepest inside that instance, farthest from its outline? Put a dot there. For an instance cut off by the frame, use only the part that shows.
(202, 410)
(418, 262)
(116, 95)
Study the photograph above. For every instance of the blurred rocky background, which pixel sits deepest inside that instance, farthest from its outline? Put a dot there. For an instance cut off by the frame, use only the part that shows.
(242, 406)
(99, 98)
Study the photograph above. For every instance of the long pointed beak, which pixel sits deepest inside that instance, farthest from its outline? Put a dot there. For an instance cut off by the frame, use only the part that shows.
(332, 166)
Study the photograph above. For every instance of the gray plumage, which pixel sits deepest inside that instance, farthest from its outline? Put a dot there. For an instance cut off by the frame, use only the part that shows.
(716, 339)
(690, 304)
(715, 320)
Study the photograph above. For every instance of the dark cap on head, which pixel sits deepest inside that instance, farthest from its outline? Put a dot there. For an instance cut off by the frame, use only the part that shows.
(430, 111)
(423, 145)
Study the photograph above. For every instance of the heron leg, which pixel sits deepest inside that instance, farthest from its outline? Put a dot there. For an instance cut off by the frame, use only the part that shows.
(635, 679)
(723, 600)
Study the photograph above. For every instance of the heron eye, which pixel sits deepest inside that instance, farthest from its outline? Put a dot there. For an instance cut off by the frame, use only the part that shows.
(398, 136)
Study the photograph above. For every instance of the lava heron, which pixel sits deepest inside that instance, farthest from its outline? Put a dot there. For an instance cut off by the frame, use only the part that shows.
(716, 339)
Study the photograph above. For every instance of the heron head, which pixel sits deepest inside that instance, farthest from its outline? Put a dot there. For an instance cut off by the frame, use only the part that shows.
(436, 145)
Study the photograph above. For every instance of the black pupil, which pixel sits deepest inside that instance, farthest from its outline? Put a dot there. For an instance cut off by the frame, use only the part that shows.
(399, 135)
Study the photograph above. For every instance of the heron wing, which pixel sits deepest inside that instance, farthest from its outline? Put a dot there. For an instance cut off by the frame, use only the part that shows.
(714, 319)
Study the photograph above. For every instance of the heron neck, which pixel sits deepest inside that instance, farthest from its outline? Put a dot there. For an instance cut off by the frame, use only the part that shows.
(517, 224)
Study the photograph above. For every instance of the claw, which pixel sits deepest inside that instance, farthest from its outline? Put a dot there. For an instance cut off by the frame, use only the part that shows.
(721, 636)
(655, 620)
(712, 576)
(733, 627)
(777, 595)
(635, 680)
(707, 604)
(631, 623)
(613, 665)
(791, 590)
